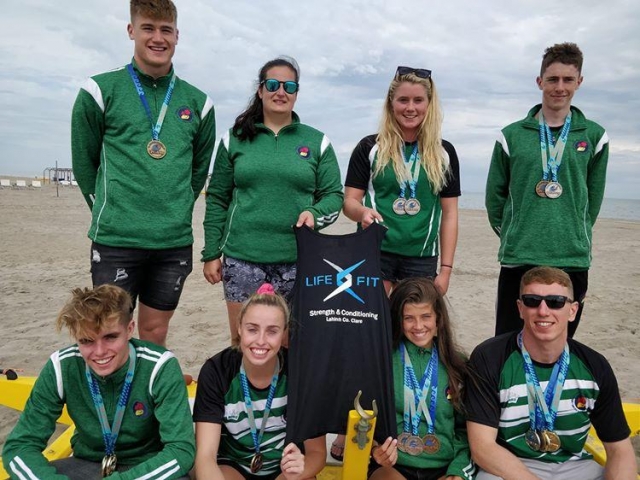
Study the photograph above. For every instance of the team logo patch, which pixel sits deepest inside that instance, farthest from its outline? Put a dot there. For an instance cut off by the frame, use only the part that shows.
(580, 403)
(140, 410)
(185, 114)
(447, 393)
(581, 146)
(304, 152)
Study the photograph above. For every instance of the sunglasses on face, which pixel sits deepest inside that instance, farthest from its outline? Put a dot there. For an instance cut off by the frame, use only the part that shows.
(273, 85)
(418, 72)
(554, 302)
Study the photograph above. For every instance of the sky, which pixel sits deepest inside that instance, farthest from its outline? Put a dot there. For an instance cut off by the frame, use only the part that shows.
(484, 55)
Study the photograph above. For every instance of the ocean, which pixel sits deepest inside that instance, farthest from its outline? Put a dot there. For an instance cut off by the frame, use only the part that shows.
(616, 208)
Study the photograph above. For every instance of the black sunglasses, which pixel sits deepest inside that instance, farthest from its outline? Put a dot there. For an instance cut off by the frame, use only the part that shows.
(9, 373)
(418, 72)
(554, 302)
(273, 85)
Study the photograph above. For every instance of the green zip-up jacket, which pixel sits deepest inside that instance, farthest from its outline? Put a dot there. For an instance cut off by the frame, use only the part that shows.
(544, 231)
(156, 433)
(137, 201)
(259, 188)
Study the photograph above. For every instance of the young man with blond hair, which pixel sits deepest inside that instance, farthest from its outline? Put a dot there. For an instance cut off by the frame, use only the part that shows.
(519, 430)
(126, 397)
(545, 186)
(142, 141)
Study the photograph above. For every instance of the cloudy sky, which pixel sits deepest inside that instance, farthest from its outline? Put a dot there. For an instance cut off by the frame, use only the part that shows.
(485, 56)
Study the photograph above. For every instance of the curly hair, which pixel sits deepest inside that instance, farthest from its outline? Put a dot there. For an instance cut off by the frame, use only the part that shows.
(567, 53)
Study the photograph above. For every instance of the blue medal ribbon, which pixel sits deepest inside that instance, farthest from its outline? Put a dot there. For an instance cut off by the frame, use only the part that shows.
(412, 171)
(257, 437)
(552, 160)
(110, 433)
(543, 406)
(155, 130)
(415, 393)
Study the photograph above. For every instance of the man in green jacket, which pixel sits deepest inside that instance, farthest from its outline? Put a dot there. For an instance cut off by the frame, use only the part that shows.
(142, 141)
(126, 397)
(545, 187)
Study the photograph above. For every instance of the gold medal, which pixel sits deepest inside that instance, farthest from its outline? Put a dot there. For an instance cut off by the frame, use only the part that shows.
(533, 440)
(108, 465)
(430, 443)
(156, 149)
(256, 463)
(402, 440)
(551, 441)
(540, 186)
(553, 190)
(398, 206)
(412, 206)
(413, 445)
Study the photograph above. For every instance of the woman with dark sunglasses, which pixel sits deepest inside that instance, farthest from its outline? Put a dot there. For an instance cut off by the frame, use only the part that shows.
(270, 172)
(410, 176)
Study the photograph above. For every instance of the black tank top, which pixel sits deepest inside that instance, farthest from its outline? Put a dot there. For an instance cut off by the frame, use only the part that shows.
(340, 339)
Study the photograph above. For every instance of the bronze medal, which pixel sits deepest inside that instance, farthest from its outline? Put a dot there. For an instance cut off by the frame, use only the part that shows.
(412, 206)
(402, 440)
(540, 186)
(398, 206)
(533, 440)
(553, 190)
(156, 149)
(108, 465)
(413, 445)
(430, 443)
(256, 463)
(550, 440)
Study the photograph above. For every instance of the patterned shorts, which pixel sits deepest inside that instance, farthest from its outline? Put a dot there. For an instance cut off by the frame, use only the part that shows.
(241, 279)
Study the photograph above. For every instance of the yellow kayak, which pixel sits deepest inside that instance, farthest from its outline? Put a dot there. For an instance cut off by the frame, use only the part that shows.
(14, 394)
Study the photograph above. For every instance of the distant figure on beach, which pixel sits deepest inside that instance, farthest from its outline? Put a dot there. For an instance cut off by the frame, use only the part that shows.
(126, 397)
(408, 177)
(240, 409)
(142, 141)
(520, 431)
(271, 172)
(430, 370)
(545, 187)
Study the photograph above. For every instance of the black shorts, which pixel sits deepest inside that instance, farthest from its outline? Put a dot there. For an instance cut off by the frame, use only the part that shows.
(156, 276)
(398, 267)
(411, 473)
(245, 474)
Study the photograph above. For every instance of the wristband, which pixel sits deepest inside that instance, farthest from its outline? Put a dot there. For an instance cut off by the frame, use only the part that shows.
(445, 265)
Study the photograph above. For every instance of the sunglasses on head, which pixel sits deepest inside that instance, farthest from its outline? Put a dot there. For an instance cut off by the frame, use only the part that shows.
(554, 302)
(418, 72)
(273, 85)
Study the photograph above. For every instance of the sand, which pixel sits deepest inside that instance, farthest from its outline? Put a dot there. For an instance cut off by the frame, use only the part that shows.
(45, 253)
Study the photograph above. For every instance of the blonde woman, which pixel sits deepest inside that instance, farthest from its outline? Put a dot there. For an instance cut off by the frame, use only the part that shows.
(408, 177)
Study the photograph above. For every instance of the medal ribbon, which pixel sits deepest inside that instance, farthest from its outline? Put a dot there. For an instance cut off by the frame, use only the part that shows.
(551, 164)
(412, 171)
(155, 130)
(110, 433)
(257, 438)
(416, 393)
(543, 406)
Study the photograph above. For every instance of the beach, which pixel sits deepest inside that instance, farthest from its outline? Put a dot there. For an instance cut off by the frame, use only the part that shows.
(45, 253)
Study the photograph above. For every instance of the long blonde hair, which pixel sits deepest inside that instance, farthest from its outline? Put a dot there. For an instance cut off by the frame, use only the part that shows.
(433, 157)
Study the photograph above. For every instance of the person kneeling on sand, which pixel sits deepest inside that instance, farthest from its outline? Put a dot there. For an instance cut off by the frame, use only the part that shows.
(519, 430)
(127, 398)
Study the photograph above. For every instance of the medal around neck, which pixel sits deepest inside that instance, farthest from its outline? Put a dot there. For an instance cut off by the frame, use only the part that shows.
(412, 206)
(413, 445)
(550, 441)
(430, 443)
(553, 190)
(256, 463)
(540, 186)
(108, 465)
(533, 440)
(156, 149)
(398, 206)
